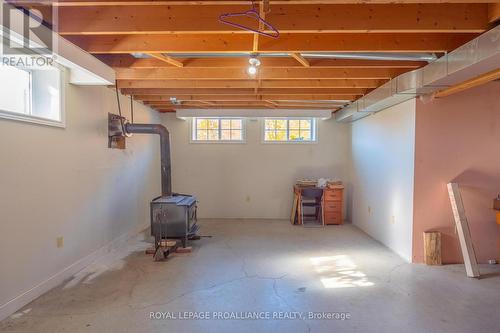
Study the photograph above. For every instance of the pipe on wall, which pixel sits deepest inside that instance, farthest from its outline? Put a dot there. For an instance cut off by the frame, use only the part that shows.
(166, 181)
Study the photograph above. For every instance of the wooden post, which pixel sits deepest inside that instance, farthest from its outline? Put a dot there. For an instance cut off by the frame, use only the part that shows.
(463, 230)
(432, 248)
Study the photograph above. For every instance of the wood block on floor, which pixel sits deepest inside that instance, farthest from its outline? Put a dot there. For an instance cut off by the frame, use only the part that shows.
(187, 249)
(150, 250)
(432, 248)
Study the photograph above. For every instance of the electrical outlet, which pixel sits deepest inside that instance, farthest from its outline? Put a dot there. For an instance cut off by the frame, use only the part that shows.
(247, 199)
(60, 242)
(393, 219)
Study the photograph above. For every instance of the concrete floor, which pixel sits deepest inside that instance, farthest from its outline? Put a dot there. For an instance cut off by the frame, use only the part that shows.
(272, 268)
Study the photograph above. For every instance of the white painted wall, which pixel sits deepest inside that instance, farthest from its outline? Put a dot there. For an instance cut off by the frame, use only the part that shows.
(383, 148)
(253, 180)
(66, 182)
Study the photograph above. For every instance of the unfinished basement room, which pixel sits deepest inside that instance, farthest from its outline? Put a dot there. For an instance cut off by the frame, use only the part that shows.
(248, 166)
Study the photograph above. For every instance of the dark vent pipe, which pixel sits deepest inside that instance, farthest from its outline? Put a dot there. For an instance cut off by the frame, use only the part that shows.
(166, 182)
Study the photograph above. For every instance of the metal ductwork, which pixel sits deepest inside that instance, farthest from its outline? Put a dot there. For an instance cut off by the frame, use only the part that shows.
(374, 56)
(472, 59)
(409, 56)
(166, 181)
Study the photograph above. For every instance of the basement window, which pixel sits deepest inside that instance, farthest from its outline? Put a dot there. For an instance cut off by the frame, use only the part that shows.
(290, 130)
(217, 129)
(31, 95)
(15, 90)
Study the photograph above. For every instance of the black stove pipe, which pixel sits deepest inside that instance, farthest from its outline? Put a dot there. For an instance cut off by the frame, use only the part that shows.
(166, 181)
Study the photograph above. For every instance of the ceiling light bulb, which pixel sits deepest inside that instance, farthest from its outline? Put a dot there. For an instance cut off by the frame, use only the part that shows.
(174, 101)
(252, 70)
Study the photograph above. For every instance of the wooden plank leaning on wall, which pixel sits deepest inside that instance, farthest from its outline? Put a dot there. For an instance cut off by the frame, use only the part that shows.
(463, 230)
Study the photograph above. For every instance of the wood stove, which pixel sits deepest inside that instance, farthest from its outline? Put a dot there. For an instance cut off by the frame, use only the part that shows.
(174, 217)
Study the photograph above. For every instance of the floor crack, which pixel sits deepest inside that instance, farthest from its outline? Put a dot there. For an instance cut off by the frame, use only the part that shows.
(286, 302)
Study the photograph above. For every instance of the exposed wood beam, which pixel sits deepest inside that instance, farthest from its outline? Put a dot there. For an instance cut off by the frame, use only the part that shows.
(240, 106)
(271, 103)
(255, 46)
(167, 59)
(221, 91)
(260, 28)
(266, 6)
(249, 84)
(266, 107)
(247, 103)
(474, 82)
(304, 18)
(254, 99)
(323, 97)
(303, 61)
(206, 102)
(493, 12)
(322, 83)
(127, 61)
(302, 102)
(335, 42)
(97, 3)
(264, 73)
(241, 103)
(312, 106)
(258, 85)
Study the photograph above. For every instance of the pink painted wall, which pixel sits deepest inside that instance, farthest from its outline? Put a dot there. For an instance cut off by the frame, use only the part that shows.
(458, 139)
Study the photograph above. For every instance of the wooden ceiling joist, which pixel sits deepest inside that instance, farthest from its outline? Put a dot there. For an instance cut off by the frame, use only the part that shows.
(248, 84)
(264, 73)
(494, 12)
(303, 61)
(167, 59)
(206, 102)
(287, 43)
(271, 103)
(160, 108)
(290, 18)
(226, 106)
(99, 3)
(127, 61)
(250, 102)
(114, 30)
(314, 97)
(259, 27)
(260, 91)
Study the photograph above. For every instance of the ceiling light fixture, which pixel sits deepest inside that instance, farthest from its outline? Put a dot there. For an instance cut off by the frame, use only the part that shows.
(174, 101)
(254, 63)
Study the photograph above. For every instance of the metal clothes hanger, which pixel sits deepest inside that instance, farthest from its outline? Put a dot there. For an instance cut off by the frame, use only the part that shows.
(252, 13)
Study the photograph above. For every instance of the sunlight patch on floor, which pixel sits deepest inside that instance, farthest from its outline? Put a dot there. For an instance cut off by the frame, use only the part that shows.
(339, 272)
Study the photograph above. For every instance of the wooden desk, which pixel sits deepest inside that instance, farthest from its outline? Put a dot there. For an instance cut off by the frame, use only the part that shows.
(332, 202)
